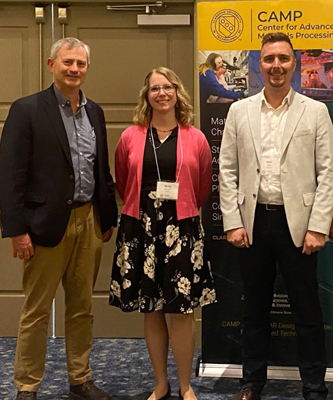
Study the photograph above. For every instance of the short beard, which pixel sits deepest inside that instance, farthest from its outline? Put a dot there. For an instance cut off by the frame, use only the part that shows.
(279, 83)
(276, 84)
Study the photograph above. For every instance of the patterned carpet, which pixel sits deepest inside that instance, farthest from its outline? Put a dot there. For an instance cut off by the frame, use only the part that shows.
(122, 368)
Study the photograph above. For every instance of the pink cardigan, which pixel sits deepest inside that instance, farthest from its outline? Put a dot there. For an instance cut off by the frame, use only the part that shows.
(195, 174)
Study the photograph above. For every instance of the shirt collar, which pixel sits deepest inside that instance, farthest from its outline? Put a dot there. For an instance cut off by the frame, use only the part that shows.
(286, 101)
(63, 100)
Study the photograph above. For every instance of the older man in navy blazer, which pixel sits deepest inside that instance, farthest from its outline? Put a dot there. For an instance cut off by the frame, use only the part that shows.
(58, 206)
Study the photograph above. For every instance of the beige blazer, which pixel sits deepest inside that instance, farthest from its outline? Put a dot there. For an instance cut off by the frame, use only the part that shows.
(306, 166)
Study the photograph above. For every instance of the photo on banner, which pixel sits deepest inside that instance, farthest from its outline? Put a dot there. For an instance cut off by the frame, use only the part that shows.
(230, 34)
(317, 74)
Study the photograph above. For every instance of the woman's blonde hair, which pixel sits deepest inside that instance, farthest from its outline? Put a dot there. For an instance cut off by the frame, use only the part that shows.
(184, 110)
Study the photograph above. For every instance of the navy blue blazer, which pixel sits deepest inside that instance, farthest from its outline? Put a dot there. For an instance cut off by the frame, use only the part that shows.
(36, 171)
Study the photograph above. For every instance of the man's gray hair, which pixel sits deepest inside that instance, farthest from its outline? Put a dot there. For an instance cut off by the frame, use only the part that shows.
(70, 43)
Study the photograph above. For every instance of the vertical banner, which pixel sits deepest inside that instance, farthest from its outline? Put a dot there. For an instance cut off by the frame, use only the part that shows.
(229, 41)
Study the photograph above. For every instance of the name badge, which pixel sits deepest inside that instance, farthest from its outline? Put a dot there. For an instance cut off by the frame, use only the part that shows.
(270, 166)
(167, 190)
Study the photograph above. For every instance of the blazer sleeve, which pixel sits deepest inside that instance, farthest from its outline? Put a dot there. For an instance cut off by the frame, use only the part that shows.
(205, 165)
(112, 213)
(322, 209)
(228, 177)
(15, 151)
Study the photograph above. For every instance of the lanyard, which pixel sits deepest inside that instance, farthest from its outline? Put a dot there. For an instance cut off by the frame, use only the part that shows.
(155, 154)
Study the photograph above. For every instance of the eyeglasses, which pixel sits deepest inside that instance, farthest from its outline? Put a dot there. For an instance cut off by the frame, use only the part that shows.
(166, 89)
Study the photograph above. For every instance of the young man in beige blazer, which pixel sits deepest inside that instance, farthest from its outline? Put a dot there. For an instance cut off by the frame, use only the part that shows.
(276, 193)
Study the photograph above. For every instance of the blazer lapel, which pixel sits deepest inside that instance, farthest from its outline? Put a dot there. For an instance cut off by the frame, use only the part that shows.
(94, 120)
(254, 118)
(295, 111)
(53, 113)
(93, 117)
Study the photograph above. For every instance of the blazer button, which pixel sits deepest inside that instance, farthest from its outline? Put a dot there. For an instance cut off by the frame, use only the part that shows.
(71, 177)
(258, 170)
(69, 202)
(254, 195)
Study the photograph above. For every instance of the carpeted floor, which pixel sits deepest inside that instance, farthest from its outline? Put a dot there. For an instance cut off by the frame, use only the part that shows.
(121, 367)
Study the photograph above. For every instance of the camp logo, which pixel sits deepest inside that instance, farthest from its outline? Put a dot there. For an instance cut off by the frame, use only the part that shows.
(227, 26)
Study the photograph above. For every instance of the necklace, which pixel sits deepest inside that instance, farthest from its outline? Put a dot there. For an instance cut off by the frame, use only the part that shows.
(161, 130)
(157, 147)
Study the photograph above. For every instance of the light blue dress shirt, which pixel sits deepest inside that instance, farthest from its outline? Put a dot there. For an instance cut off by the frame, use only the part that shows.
(82, 143)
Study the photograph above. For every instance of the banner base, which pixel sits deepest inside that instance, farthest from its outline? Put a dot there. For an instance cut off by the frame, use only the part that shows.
(235, 371)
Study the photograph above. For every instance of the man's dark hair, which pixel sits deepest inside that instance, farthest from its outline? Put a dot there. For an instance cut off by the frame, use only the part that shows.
(276, 37)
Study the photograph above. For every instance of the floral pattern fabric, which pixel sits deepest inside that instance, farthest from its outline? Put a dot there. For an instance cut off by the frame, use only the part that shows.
(160, 263)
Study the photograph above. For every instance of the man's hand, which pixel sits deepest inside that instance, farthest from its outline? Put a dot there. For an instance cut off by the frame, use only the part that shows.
(313, 242)
(238, 237)
(22, 247)
(107, 235)
(331, 231)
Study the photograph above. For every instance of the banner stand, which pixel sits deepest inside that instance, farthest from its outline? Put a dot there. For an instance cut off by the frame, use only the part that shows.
(230, 34)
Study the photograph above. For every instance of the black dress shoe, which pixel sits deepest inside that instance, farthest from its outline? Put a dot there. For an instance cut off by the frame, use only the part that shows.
(167, 395)
(248, 394)
(87, 391)
(26, 396)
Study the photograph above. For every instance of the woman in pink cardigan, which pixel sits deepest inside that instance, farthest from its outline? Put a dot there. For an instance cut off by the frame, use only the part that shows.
(163, 174)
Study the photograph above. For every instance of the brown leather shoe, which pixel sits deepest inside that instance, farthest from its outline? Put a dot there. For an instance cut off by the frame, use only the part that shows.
(87, 391)
(247, 394)
(26, 396)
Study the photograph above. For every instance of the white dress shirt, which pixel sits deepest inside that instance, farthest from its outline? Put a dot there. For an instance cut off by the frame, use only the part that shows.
(272, 126)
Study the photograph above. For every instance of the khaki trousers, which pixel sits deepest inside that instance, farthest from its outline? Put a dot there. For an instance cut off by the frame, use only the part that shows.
(75, 262)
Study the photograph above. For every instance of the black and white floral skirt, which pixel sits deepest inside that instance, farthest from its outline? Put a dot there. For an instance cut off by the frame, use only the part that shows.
(160, 263)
